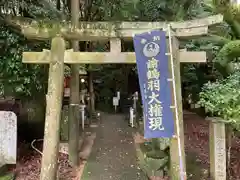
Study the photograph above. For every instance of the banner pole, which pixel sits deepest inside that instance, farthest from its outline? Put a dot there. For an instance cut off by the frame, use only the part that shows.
(182, 173)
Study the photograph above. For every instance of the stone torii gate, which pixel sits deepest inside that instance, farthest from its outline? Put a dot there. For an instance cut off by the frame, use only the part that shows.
(102, 31)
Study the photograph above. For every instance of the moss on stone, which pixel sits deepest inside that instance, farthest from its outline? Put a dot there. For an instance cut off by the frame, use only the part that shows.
(152, 166)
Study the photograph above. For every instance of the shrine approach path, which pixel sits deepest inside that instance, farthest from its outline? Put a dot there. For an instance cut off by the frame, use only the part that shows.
(113, 155)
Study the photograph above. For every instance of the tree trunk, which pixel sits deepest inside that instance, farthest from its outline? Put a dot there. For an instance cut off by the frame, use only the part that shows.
(53, 111)
(59, 5)
(74, 112)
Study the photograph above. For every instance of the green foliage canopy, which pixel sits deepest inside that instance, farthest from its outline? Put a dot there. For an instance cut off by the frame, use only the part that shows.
(17, 78)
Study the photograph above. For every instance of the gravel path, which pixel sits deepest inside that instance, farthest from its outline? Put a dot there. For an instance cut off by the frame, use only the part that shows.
(113, 155)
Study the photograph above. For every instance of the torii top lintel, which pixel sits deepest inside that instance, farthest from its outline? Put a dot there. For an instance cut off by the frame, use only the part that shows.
(87, 31)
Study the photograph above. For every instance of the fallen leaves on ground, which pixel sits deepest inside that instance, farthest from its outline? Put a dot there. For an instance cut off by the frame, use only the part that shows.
(29, 165)
(196, 131)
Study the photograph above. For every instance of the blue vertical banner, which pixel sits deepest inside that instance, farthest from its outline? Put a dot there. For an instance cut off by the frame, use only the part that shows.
(153, 74)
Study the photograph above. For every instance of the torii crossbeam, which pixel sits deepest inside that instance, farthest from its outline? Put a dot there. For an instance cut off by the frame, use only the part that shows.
(103, 57)
(106, 30)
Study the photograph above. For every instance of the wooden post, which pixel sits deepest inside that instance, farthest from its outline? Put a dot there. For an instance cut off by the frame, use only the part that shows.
(135, 99)
(74, 112)
(179, 139)
(82, 112)
(217, 143)
(91, 95)
(53, 111)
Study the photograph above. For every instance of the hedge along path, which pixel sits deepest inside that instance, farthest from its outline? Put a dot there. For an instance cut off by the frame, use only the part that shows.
(115, 31)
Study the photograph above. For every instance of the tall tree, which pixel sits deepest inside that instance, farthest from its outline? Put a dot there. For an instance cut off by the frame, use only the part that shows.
(74, 114)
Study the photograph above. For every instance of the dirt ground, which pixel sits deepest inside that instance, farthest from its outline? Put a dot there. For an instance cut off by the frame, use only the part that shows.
(196, 144)
(29, 164)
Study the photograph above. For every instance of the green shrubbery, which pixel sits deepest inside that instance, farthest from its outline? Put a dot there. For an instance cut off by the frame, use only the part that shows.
(222, 99)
